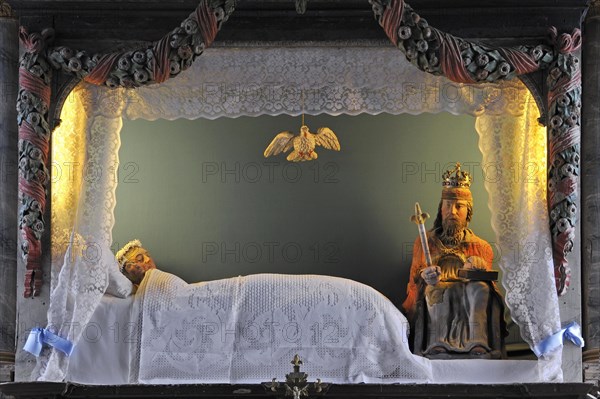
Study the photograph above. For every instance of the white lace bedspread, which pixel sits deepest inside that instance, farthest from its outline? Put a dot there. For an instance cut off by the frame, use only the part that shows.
(248, 329)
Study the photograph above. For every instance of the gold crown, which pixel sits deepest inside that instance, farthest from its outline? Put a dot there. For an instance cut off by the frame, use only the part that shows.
(122, 253)
(456, 178)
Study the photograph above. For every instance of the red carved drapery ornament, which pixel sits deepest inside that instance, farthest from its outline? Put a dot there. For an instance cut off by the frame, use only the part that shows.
(442, 53)
(207, 21)
(564, 103)
(522, 62)
(160, 64)
(100, 72)
(392, 17)
(453, 66)
(34, 135)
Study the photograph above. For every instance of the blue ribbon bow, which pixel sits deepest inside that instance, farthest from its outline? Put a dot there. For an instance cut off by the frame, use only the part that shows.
(571, 332)
(40, 336)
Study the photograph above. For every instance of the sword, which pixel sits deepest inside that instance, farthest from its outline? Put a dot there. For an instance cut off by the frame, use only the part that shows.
(419, 219)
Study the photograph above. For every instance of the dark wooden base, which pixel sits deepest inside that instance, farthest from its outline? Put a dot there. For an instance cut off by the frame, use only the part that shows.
(48, 390)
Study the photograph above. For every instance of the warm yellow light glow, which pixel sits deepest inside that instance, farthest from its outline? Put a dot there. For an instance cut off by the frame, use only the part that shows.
(517, 156)
(66, 168)
(537, 171)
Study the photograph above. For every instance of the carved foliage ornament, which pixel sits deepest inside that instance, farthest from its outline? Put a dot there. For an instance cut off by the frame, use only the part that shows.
(459, 60)
(33, 101)
(156, 63)
(429, 49)
(564, 112)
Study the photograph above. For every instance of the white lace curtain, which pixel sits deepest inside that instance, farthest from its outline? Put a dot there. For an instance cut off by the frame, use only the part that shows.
(271, 81)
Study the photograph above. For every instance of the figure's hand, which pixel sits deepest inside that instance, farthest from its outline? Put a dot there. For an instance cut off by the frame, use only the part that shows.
(431, 274)
(474, 263)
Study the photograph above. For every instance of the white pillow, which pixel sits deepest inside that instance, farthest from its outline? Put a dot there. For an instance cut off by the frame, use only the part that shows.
(118, 285)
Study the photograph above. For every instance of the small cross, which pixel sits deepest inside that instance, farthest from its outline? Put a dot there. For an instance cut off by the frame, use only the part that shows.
(296, 362)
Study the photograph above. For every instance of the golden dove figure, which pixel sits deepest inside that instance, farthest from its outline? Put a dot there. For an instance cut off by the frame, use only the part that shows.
(303, 144)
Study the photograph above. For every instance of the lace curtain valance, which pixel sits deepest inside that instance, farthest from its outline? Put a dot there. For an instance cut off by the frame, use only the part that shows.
(333, 80)
(271, 81)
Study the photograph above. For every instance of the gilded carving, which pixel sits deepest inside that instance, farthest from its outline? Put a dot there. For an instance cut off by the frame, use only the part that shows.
(303, 145)
(6, 10)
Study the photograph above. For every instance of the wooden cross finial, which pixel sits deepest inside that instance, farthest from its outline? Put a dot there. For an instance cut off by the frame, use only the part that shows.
(296, 361)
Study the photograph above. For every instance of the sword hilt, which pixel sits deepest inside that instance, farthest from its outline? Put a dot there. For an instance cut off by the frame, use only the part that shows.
(419, 217)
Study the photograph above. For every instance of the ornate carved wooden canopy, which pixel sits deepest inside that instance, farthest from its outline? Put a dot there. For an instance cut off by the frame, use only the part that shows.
(133, 43)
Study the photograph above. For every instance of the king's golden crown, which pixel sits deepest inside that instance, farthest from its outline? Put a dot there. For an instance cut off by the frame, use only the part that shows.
(456, 178)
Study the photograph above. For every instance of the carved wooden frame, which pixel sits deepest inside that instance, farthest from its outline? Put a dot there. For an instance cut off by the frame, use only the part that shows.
(430, 49)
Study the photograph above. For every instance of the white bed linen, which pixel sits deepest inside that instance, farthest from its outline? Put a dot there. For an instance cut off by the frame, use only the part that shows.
(247, 329)
(102, 356)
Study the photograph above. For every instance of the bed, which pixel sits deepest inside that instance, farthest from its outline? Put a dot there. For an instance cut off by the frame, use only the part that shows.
(247, 329)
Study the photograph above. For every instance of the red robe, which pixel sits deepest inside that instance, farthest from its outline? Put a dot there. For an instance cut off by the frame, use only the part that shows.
(470, 246)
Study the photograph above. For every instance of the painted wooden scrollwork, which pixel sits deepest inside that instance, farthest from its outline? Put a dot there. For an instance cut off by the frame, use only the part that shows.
(164, 59)
(564, 130)
(33, 102)
(459, 60)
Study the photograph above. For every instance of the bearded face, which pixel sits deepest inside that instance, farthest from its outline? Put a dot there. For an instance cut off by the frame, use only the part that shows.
(454, 221)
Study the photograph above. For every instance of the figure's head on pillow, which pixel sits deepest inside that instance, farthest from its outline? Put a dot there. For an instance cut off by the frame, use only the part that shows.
(134, 261)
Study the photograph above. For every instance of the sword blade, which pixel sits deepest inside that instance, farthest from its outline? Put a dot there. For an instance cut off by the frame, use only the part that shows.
(419, 219)
(424, 243)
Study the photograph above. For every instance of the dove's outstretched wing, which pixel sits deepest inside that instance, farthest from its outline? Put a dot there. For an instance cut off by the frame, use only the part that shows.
(327, 139)
(281, 143)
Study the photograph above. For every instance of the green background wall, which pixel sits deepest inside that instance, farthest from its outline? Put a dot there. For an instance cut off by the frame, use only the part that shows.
(207, 204)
